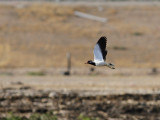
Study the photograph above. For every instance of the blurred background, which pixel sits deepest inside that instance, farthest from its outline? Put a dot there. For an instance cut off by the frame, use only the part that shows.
(45, 43)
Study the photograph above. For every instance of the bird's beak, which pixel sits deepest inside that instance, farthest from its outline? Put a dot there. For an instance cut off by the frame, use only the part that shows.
(85, 63)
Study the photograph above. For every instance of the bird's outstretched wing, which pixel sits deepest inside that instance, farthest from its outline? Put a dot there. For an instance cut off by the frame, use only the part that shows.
(100, 51)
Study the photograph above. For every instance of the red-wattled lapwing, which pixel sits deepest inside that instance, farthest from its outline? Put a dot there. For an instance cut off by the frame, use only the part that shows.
(100, 53)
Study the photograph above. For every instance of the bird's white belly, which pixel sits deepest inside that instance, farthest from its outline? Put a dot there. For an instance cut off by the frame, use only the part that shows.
(101, 63)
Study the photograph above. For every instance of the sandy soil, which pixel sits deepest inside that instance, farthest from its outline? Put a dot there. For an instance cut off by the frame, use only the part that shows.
(102, 84)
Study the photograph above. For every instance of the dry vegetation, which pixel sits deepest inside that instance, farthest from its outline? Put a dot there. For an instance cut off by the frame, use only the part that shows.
(40, 35)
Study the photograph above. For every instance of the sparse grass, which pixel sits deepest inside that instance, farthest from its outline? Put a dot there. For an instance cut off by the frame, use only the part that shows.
(137, 33)
(46, 116)
(82, 117)
(37, 73)
(6, 74)
(119, 48)
(43, 117)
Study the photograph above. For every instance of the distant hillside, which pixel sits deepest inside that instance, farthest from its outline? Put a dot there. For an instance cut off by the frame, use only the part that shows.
(37, 35)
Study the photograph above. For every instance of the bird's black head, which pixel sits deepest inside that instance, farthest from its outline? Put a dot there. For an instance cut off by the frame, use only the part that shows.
(91, 62)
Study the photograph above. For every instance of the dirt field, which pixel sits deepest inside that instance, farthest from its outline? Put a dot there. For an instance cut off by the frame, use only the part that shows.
(113, 96)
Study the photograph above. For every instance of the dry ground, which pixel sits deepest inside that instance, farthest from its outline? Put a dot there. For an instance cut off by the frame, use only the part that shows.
(93, 84)
(40, 34)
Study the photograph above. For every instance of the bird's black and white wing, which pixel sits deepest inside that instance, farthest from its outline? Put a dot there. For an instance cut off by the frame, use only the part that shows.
(100, 51)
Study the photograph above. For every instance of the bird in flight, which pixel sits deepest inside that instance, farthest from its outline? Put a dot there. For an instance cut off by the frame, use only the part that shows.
(100, 53)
